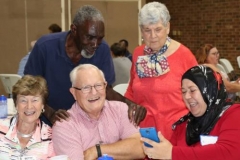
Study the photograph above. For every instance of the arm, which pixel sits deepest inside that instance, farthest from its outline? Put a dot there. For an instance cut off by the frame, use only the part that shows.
(231, 87)
(129, 148)
(136, 113)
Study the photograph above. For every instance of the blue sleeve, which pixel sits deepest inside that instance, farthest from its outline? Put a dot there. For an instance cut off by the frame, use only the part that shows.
(35, 64)
(22, 64)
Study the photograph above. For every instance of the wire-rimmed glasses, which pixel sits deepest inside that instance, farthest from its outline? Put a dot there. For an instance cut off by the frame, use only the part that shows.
(88, 88)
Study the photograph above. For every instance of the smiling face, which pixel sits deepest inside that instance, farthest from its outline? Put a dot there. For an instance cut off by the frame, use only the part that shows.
(213, 56)
(29, 108)
(88, 36)
(193, 98)
(155, 35)
(93, 101)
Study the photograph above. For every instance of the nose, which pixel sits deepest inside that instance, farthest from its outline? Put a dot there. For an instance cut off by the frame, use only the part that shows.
(29, 104)
(153, 34)
(93, 90)
(187, 95)
(95, 43)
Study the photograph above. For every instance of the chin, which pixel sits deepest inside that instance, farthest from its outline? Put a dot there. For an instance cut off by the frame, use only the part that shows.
(85, 54)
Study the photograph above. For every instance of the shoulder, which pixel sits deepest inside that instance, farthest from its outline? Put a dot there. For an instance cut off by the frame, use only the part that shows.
(139, 49)
(103, 45)
(53, 37)
(116, 106)
(233, 110)
(184, 50)
(72, 120)
(137, 52)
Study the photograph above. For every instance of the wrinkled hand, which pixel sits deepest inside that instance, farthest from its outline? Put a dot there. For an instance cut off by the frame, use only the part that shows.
(162, 150)
(90, 153)
(136, 113)
(59, 115)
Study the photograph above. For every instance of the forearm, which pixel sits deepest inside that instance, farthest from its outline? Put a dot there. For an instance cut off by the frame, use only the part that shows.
(130, 148)
(113, 95)
(231, 87)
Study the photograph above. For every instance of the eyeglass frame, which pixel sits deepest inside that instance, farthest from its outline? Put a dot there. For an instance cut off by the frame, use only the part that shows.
(81, 89)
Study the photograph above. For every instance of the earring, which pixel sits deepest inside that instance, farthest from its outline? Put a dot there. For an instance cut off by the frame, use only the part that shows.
(43, 110)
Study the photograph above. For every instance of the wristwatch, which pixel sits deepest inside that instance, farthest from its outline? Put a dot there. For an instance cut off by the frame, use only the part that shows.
(99, 153)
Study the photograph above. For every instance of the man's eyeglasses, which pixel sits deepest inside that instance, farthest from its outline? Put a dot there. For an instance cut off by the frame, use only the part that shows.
(87, 89)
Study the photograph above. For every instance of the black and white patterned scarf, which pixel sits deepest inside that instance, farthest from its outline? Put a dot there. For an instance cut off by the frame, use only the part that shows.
(214, 94)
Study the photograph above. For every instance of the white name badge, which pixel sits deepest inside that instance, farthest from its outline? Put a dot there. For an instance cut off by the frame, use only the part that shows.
(205, 140)
(28, 158)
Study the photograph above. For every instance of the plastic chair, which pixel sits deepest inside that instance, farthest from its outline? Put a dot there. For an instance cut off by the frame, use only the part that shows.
(229, 68)
(121, 88)
(8, 81)
(219, 66)
(226, 64)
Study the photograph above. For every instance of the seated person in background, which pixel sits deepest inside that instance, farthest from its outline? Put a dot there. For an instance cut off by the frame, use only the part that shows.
(209, 55)
(53, 28)
(96, 126)
(122, 64)
(209, 131)
(124, 44)
(25, 59)
(24, 135)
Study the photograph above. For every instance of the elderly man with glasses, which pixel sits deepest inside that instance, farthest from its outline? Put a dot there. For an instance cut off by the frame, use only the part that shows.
(96, 126)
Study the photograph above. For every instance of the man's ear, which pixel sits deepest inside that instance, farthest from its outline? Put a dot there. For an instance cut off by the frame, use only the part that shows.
(73, 28)
(73, 91)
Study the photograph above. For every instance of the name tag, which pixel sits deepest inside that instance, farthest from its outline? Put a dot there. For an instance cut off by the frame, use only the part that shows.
(206, 140)
(28, 158)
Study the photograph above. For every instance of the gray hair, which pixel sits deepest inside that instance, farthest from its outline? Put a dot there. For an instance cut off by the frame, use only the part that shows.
(73, 73)
(87, 12)
(152, 13)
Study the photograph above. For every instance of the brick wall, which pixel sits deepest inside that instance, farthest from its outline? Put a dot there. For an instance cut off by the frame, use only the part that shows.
(196, 22)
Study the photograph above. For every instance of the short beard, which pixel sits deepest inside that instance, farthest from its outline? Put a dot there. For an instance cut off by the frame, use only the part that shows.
(86, 55)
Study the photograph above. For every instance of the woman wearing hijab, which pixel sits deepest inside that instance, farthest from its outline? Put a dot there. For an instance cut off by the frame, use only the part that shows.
(209, 131)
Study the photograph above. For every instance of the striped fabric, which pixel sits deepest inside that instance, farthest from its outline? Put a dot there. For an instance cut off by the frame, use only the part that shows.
(39, 146)
(80, 132)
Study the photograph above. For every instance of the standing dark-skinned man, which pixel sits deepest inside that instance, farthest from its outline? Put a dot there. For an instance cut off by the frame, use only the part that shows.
(55, 55)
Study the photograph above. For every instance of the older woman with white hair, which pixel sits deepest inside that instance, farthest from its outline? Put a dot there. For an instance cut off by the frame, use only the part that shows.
(157, 69)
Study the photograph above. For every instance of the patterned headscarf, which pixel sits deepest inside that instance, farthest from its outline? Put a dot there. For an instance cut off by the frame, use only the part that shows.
(214, 94)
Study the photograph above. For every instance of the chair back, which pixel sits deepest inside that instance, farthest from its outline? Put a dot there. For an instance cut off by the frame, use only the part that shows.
(8, 81)
(226, 64)
(238, 61)
(221, 68)
(121, 88)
